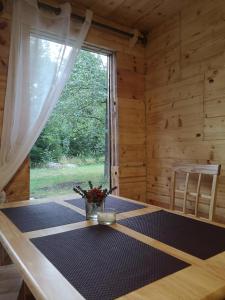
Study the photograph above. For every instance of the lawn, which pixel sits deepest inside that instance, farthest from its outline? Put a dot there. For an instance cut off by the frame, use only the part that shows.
(46, 182)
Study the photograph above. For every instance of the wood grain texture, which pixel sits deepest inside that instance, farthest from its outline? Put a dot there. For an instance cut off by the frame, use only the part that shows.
(184, 90)
(17, 246)
(130, 107)
(198, 170)
(143, 14)
(204, 279)
(131, 68)
(10, 282)
(185, 102)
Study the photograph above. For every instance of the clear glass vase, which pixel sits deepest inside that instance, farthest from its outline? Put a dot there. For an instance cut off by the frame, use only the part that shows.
(92, 209)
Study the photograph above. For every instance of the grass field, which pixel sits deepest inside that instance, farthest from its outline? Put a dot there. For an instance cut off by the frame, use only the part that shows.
(46, 182)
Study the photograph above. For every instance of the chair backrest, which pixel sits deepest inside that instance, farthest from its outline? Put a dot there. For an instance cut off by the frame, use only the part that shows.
(213, 170)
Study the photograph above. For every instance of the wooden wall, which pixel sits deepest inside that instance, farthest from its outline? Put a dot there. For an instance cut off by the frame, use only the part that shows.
(185, 104)
(130, 73)
(184, 107)
(132, 139)
(131, 110)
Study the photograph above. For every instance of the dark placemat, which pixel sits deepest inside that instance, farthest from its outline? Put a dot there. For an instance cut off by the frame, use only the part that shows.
(194, 237)
(112, 202)
(102, 263)
(40, 216)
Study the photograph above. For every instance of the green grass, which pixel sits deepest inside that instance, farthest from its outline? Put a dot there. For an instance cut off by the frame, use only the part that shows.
(46, 182)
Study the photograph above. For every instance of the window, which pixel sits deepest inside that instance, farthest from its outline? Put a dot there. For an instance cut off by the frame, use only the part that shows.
(74, 146)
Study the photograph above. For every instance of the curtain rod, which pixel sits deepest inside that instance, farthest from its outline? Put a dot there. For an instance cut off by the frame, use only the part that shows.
(142, 39)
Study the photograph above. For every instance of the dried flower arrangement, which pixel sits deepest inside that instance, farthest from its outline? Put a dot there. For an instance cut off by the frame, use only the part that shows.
(94, 194)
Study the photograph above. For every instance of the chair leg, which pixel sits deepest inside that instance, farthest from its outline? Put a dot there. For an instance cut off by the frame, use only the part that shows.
(24, 293)
(213, 198)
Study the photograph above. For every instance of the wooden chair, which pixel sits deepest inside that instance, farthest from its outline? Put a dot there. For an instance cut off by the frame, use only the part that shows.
(212, 170)
(10, 283)
(10, 279)
(2, 197)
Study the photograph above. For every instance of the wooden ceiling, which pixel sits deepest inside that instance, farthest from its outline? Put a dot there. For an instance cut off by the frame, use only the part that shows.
(140, 14)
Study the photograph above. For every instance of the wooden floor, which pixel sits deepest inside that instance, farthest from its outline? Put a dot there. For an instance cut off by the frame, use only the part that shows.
(10, 282)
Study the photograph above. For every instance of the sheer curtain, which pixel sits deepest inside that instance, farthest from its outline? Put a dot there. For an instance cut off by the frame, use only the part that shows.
(42, 55)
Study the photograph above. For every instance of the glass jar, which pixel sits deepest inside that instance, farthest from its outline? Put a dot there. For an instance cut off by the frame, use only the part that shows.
(92, 209)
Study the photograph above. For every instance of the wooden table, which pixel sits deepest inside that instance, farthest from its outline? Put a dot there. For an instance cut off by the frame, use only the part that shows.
(204, 279)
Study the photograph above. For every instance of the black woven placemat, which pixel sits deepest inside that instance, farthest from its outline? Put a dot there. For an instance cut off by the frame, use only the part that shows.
(40, 216)
(194, 237)
(102, 263)
(112, 202)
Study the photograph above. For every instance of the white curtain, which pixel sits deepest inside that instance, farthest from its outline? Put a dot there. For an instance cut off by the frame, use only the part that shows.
(42, 55)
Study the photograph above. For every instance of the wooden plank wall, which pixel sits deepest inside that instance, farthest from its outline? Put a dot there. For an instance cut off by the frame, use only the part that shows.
(130, 67)
(131, 107)
(132, 139)
(185, 104)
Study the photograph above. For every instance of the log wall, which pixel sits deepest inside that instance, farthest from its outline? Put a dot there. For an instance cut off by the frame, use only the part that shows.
(130, 106)
(185, 104)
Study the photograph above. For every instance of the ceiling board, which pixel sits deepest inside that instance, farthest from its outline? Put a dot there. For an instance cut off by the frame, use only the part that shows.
(107, 6)
(141, 14)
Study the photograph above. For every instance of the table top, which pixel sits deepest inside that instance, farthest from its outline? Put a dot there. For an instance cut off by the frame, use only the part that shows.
(203, 279)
